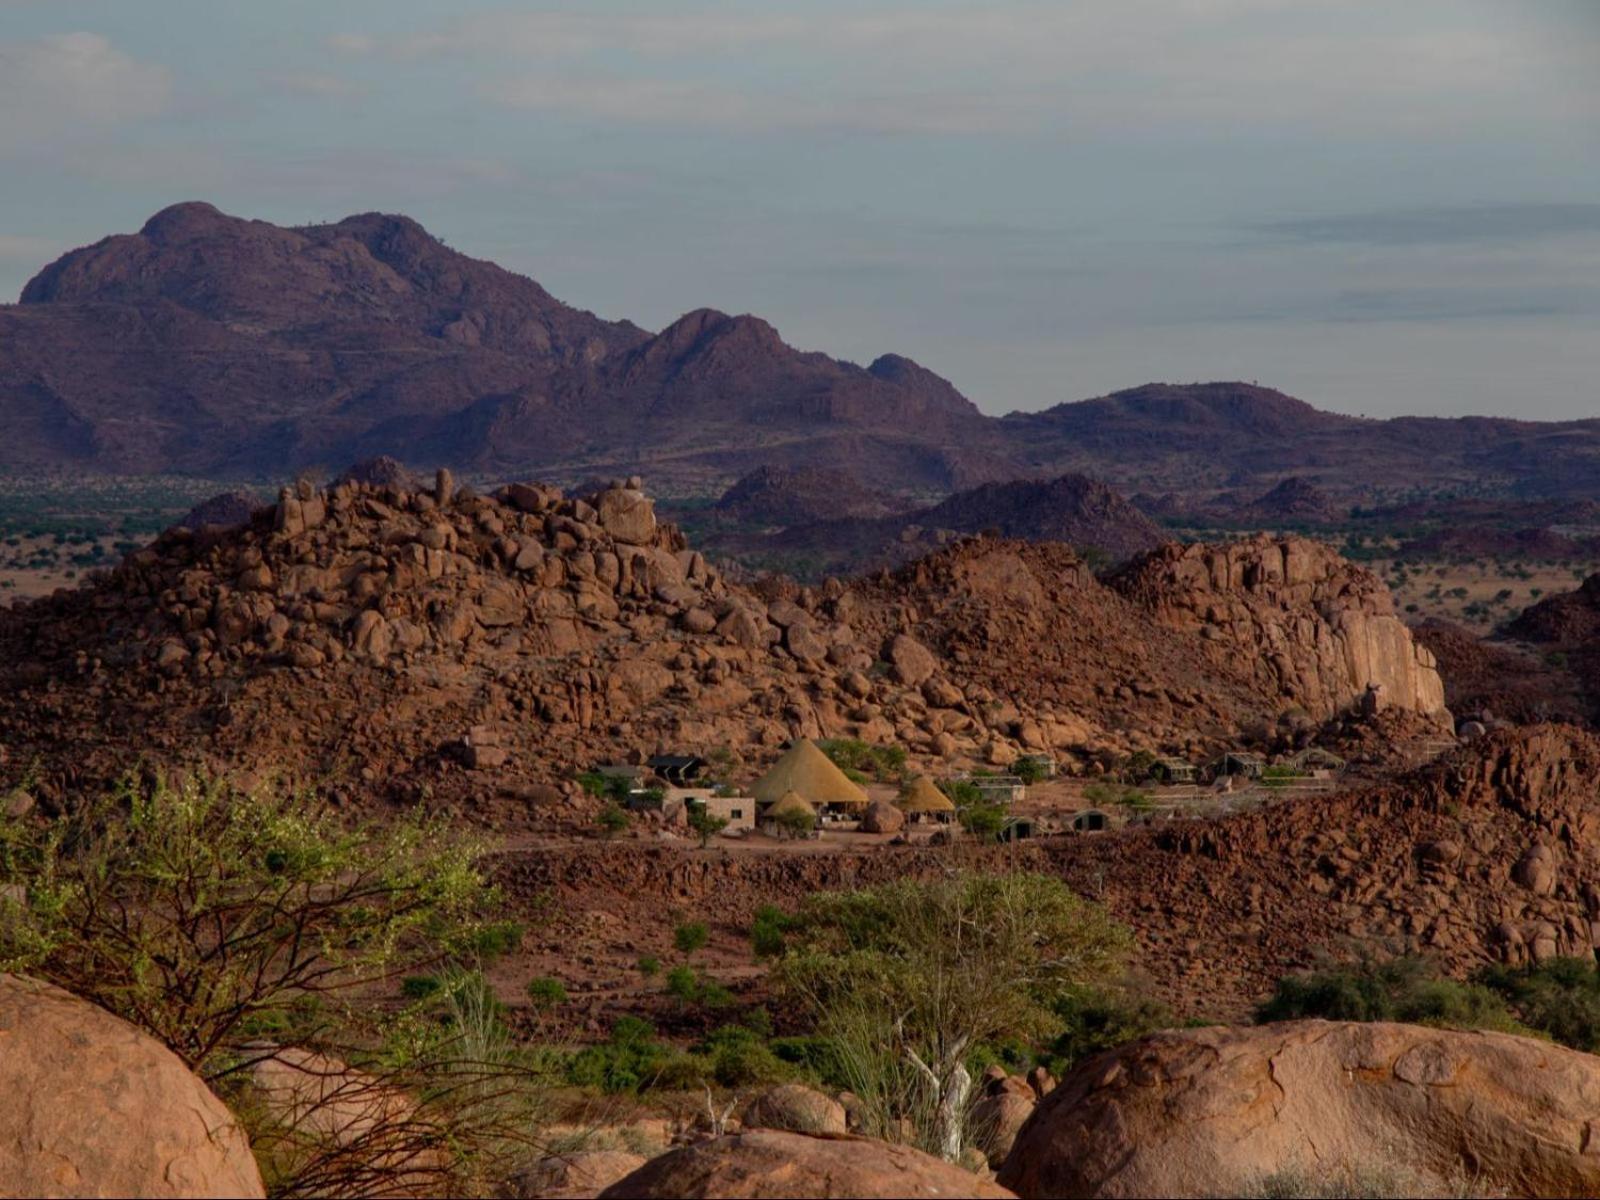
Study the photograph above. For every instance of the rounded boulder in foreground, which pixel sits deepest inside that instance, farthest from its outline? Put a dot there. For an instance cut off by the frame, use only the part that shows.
(90, 1106)
(1379, 1109)
(765, 1164)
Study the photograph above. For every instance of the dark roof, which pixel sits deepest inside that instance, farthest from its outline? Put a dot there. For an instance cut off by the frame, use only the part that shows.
(674, 761)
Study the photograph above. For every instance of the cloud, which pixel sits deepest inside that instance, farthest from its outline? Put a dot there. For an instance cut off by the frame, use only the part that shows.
(696, 103)
(1004, 66)
(312, 83)
(57, 84)
(353, 43)
(1427, 226)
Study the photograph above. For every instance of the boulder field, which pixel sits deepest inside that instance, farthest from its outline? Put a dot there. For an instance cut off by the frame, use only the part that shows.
(414, 641)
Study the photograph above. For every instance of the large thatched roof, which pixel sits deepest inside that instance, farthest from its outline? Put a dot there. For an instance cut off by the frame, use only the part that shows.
(808, 771)
(922, 795)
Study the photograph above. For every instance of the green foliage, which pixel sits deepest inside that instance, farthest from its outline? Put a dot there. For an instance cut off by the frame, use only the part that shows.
(814, 1056)
(741, 1057)
(690, 987)
(496, 939)
(983, 821)
(603, 786)
(862, 761)
(963, 793)
(194, 909)
(690, 936)
(794, 824)
(768, 929)
(649, 966)
(612, 819)
(1559, 997)
(1104, 793)
(546, 992)
(908, 978)
(1399, 989)
(704, 824)
(420, 987)
(1136, 768)
(629, 1061)
(1097, 1018)
(1029, 770)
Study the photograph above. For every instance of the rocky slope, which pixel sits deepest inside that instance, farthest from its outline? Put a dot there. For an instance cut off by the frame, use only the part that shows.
(1491, 854)
(207, 344)
(1296, 615)
(399, 643)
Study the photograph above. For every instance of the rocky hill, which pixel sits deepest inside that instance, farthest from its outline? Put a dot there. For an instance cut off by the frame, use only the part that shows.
(1295, 615)
(1072, 509)
(779, 497)
(397, 643)
(206, 344)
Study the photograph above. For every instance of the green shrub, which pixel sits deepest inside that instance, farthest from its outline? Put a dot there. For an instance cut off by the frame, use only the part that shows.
(1560, 997)
(690, 936)
(1399, 989)
(649, 966)
(628, 1061)
(862, 761)
(767, 930)
(546, 992)
(740, 1057)
(612, 819)
(1098, 1018)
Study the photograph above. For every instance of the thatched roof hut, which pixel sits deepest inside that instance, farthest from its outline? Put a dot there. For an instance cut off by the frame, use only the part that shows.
(790, 802)
(807, 771)
(923, 797)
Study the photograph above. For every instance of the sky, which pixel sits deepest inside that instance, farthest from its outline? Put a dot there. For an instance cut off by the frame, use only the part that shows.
(1379, 207)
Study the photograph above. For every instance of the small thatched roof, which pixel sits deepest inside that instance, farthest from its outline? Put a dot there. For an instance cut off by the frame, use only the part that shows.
(807, 770)
(790, 802)
(922, 795)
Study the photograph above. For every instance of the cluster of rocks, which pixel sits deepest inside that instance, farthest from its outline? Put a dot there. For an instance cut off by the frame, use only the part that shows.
(443, 640)
(1322, 633)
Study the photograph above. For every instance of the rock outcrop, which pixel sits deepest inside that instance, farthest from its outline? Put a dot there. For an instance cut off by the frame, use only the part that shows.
(796, 1108)
(1319, 630)
(1218, 1111)
(436, 641)
(581, 1173)
(93, 1107)
(765, 1164)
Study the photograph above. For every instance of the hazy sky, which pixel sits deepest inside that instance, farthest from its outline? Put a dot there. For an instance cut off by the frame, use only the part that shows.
(1380, 207)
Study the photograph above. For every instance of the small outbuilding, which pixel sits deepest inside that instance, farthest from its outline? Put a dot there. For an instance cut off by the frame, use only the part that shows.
(1238, 763)
(680, 770)
(776, 818)
(1169, 770)
(1090, 820)
(922, 801)
(809, 773)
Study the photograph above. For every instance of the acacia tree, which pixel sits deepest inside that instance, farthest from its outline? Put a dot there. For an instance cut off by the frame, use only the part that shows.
(248, 929)
(910, 978)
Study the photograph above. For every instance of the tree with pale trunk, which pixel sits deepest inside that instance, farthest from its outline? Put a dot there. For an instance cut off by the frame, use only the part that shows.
(910, 978)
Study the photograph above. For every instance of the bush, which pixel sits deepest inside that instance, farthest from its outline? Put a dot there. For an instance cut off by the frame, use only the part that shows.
(612, 819)
(1029, 770)
(1400, 989)
(1560, 997)
(794, 824)
(861, 761)
(705, 825)
(1100, 1018)
(690, 936)
(630, 1060)
(740, 1057)
(546, 992)
(983, 821)
(767, 930)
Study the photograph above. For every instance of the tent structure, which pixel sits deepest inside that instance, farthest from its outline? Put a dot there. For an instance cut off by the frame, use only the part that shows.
(922, 800)
(811, 774)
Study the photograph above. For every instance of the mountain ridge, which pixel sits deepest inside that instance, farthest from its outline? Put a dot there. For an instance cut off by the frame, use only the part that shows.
(212, 344)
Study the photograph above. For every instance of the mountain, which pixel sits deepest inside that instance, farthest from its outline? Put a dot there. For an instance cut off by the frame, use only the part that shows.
(209, 344)
(212, 345)
(1072, 509)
